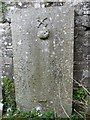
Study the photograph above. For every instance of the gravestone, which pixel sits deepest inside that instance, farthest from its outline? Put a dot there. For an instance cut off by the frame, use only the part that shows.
(43, 58)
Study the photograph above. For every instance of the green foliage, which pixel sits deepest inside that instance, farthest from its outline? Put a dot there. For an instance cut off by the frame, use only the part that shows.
(76, 117)
(0, 6)
(79, 94)
(80, 97)
(48, 115)
(37, 115)
(8, 94)
(88, 101)
(9, 105)
(24, 114)
(4, 10)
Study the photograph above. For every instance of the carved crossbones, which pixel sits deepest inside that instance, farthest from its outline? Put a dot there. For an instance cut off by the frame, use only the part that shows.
(41, 22)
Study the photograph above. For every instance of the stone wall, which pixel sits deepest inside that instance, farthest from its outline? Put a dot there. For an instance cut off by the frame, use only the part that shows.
(6, 56)
(81, 46)
(1, 32)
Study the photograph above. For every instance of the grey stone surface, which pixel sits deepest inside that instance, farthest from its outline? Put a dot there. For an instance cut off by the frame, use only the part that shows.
(82, 48)
(6, 64)
(8, 1)
(7, 53)
(82, 43)
(70, 1)
(43, 68)
(1, 104)
(1, 14)
(1, 33)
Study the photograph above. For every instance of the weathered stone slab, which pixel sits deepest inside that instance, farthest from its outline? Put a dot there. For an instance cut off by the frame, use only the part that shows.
(43, 58)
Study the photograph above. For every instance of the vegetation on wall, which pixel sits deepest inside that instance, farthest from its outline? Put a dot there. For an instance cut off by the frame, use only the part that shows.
(8, 94)
(4, 10)
(12, 112)
(80, 94)
(82, 101)
(37, 115)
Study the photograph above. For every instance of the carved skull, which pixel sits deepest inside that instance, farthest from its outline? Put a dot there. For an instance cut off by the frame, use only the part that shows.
(43, 33)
